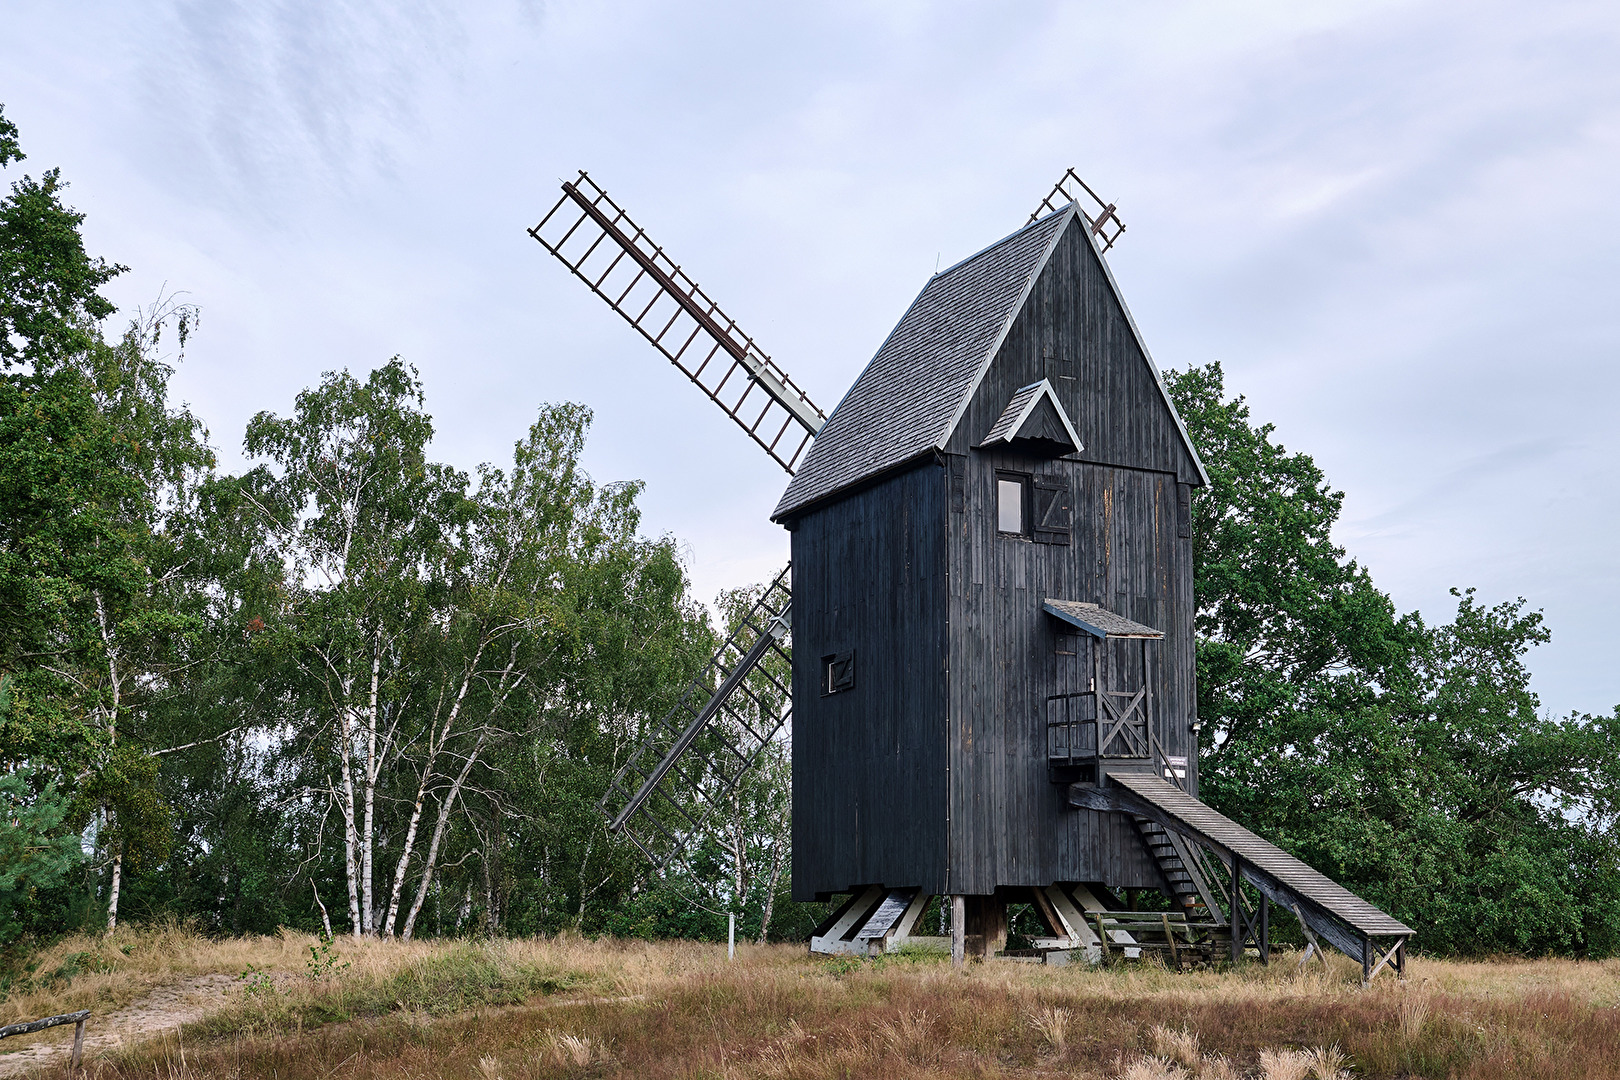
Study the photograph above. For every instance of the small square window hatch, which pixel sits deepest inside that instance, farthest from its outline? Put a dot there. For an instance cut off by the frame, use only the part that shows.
(837, 673)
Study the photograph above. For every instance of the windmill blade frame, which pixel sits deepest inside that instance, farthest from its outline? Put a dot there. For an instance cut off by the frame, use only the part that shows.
(694, 757)
(593, 236)
(1104, 220)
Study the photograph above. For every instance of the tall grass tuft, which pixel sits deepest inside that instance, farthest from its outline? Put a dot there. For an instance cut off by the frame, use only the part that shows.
(1412, 1013)
(1179, 1045)
(1284, 1064)
(1218, 1067)
(1328, 1063)
(1053, 1024)
(576, 1050)
(1153, 1067)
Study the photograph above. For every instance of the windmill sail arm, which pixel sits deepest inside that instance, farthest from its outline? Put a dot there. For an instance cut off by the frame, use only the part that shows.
(693, 758)
(774, 633)
(1102, 216)
(793, 400)
(616, 259)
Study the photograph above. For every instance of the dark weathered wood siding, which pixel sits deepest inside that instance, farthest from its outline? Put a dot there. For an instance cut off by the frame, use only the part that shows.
(1073, 330)
(933, 771)
(1008, 822)
(869, 764)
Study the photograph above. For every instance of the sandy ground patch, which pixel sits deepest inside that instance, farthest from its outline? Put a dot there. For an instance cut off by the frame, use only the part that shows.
(164, 1009)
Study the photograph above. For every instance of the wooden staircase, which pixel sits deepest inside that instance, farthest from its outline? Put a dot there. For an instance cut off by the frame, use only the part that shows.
(1177, 863)
(1325, 909)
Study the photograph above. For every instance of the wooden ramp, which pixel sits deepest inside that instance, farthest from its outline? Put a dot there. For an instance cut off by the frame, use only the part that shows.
(1324, 907)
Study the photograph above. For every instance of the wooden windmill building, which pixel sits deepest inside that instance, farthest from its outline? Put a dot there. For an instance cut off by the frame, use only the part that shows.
(991, 619)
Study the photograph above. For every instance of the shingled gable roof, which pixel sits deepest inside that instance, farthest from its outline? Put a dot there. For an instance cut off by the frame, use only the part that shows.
(912, 394)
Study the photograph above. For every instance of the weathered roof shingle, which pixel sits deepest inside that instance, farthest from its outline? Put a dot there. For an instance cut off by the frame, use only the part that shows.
(1098, 621)
(905, 402)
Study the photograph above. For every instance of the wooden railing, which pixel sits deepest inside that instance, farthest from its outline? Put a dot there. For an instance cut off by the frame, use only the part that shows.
(77, 1019)
(1089, 725)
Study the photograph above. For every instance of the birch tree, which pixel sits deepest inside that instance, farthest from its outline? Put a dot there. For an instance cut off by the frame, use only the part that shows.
(363, 522)
(487, 659)
(561, 614)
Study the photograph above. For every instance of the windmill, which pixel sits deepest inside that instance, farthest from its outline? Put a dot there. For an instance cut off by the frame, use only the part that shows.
(994, 683)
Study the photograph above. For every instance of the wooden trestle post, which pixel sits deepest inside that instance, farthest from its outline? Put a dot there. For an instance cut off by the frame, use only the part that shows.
(1263, 937)
(1238, 919)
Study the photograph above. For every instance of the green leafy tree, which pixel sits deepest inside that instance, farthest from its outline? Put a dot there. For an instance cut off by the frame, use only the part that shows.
(1410, 762)
(619, 642)
(96, 469)
(50, 299)
(361, 520)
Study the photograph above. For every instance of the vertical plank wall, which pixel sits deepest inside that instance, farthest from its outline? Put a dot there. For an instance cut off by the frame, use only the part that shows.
(869, 764)
(1009, 825)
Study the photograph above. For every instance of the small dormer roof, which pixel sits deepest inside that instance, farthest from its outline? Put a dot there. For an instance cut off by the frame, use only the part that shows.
(1034, 415)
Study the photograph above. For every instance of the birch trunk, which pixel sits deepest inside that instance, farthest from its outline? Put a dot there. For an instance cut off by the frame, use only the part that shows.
(351, 839)
(116, 685)
(438, 836)
(326, 920)
(112, 893)
(421, 793)
(410, 842)
(368, 839)
(770, 893)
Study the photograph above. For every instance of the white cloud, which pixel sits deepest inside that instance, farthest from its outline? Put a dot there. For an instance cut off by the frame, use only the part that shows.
(1393, 221)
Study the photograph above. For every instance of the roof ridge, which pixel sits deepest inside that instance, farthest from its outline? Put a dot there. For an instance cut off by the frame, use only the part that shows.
(959, 263)
(916, 380)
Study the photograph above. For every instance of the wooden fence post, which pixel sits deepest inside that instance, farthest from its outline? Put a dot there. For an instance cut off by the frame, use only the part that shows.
(77, 1019)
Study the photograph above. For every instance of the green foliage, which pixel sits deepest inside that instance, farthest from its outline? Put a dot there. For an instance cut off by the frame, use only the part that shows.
(10, 149)
(140, 822)
(36, 852)
(256, 982)
(50, 296)
(96, 471)
(1411, 763)
(323, 959)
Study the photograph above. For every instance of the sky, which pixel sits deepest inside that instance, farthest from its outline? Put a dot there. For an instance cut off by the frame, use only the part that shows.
(1393, 224)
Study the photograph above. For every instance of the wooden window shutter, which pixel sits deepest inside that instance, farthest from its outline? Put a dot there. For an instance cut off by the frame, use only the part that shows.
(957, 467)
(1183, 510)
(1054, 520)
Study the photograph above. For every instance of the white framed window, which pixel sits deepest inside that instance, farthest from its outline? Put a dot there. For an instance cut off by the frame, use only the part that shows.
(837, 673)
(1012, 504)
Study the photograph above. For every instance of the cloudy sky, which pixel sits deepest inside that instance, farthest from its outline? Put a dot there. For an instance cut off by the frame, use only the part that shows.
(1394, 224)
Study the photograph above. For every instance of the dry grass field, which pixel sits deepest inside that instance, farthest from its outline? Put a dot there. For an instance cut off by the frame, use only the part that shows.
(513, 1010)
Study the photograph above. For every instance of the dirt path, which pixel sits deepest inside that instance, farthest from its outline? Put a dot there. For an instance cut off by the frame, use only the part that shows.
(164, 1009)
